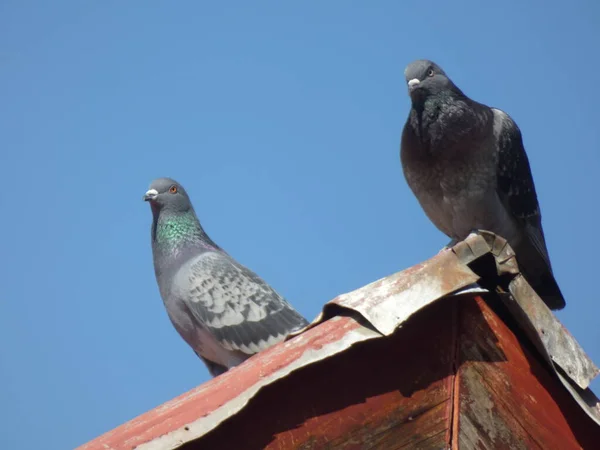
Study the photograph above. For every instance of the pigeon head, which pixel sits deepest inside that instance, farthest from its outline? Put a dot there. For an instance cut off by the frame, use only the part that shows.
(167, 194)
(426, 79)
(175, 226)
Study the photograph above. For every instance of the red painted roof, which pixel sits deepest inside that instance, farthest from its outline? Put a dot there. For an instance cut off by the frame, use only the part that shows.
(374, 312)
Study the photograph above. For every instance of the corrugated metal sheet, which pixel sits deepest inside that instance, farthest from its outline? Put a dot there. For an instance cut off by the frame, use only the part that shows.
(387, 303)
(372, 312)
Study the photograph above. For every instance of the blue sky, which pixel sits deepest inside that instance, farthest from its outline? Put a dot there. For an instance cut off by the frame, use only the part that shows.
(283, 122)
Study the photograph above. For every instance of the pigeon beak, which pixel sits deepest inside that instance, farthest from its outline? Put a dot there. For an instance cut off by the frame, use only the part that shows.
(150, 195)
(413, 84)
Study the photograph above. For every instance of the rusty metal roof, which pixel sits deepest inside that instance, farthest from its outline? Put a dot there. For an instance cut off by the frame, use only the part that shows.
(481, 263)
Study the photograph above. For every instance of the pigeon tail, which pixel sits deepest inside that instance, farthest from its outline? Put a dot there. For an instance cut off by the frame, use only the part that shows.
(548, 290)
(536, 269)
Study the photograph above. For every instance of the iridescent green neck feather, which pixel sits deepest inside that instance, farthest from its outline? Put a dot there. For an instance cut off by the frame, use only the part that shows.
(177, 227)
(173, 232)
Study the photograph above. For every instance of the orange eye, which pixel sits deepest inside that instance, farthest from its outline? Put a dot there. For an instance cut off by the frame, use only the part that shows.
(173, 189)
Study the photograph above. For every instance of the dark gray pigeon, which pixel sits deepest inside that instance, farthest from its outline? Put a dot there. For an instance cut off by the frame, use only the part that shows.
(467, 166)
(224, 311)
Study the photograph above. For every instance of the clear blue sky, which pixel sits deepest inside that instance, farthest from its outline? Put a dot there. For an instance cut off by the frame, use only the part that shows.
(283, 122)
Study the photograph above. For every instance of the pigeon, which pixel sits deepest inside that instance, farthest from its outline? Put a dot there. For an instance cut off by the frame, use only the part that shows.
(223, 310)
(466, 164)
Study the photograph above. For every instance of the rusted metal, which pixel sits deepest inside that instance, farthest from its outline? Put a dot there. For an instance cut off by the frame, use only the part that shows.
(378, 331)
(387, 303)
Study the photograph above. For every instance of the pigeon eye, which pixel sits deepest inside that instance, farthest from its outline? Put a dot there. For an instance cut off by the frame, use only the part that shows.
(173, 189)
(430, 73)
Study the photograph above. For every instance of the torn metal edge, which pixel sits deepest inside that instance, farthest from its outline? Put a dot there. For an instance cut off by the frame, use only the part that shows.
(389, 302)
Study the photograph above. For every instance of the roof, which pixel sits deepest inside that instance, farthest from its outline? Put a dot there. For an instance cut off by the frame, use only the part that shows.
(456, 315)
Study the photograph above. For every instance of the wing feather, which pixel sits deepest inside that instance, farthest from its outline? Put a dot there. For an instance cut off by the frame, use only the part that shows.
(235, 305)
(515, 182)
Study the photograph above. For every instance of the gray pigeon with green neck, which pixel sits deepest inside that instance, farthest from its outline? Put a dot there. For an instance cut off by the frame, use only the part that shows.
(223, 310)
(466, 164)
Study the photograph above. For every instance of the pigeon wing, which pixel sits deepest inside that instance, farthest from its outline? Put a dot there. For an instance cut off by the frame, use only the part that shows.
(235, 305)
(515, 183)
